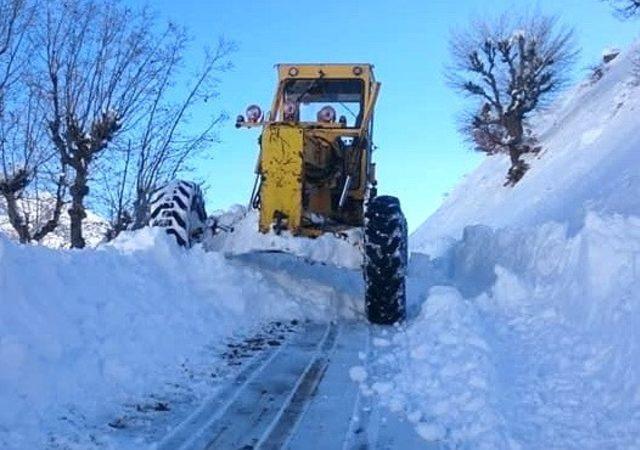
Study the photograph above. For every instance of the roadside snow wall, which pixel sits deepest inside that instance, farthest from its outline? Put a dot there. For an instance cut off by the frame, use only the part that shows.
(542, 349)
(81, 332)
(528, 297)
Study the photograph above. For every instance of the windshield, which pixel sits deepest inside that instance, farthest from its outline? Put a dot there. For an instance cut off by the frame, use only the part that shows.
(312, 95)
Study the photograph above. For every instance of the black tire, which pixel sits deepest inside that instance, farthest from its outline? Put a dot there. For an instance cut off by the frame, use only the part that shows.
(178, 207)
(385, 261)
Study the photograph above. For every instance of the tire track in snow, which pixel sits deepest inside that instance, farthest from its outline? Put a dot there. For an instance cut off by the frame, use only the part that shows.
(190, 432)
(300, 396)
(294, 408)
(264, 402)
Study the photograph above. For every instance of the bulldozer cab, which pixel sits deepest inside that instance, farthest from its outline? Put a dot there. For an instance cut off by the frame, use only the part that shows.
(314, 167)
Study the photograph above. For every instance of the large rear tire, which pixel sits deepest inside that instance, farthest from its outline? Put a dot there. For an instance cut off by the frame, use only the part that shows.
(385, 261)
(178, 207)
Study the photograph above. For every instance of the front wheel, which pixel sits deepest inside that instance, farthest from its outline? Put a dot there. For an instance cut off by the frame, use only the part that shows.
(385, 261)
(178, 208)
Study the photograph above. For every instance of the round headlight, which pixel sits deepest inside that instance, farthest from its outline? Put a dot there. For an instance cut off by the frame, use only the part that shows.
(327, 114)
(294, 71)
(254, 113)
(357, 71)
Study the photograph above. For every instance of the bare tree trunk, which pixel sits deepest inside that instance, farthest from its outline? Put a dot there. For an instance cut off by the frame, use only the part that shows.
(513, 124)
(10, 189)
(514, 155)
(140, 209)
(52, 223)
(18, 224)
(515, 129)
(77, 212)
(518, 166)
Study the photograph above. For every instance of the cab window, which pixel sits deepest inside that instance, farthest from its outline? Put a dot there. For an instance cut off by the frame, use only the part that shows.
(311, 95)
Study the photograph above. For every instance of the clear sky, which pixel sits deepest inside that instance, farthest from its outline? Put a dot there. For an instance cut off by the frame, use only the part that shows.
(420, 155)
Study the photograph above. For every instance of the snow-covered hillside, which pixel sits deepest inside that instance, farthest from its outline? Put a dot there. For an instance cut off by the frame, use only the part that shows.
(528, 330)
(589, 162)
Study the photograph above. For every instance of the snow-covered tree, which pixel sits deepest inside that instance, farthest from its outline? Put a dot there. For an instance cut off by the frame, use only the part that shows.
(509, 69)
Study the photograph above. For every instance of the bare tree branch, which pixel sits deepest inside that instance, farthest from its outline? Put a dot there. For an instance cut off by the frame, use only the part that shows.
(167, 142)
(102, 63)
(25, 158)
(626, 9)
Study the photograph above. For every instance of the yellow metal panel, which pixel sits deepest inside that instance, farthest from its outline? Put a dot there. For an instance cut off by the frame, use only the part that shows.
(365, 71)
(281, 168)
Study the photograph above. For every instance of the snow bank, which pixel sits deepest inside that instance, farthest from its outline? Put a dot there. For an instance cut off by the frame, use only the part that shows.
(446, 377)
(541, 353)
(81, 332)
(589, 163)
(529, 296)
(341, 251)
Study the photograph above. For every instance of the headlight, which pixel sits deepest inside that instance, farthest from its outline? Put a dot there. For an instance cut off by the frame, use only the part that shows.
(254, 114)
(327, 114)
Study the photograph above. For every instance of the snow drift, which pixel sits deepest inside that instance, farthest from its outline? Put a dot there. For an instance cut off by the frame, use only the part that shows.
(81, 332)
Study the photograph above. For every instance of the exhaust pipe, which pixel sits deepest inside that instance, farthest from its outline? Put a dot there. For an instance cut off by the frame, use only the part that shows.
(345, 191)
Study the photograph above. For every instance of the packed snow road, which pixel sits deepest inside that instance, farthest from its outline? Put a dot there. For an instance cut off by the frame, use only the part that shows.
(298, 395)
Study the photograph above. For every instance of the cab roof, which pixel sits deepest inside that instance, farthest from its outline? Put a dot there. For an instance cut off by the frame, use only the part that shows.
(327, 70)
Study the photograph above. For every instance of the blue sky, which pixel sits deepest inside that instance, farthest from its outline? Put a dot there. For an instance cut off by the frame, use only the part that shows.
(420, 155)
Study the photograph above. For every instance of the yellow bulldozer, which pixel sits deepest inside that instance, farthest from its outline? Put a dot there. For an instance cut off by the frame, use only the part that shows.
(315, 175)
